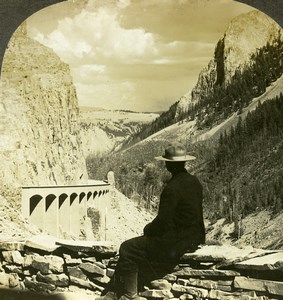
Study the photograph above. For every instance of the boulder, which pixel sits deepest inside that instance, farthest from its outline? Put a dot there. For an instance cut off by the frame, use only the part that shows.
(89, 259)
(14, 280)
(196, 292)
(13, 269)
(272, 287)
(103, 280)
(221, 295)
(61, 280)
(161, 284)
(170, 277)
(186, 297)
(39, 287)
(71, 261)
(13, 257)
(85, 284)
(4, 280)
(92, 269)
(152, 293)
(41, 265)
(207, 284)
(76, 272)
(45, 264)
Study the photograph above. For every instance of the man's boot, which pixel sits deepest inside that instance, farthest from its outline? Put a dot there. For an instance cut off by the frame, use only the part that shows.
(130, 287)
(110, 292)
(108, 296)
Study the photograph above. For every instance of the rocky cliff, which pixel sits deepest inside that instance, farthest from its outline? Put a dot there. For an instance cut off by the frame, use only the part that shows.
(103, 131)
(237, 51)
(39, 128)
(245, 35)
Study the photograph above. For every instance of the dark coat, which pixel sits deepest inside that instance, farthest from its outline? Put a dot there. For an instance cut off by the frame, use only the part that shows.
(179, 224)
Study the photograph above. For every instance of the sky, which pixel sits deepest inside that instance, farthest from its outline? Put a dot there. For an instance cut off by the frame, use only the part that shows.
(139, 55)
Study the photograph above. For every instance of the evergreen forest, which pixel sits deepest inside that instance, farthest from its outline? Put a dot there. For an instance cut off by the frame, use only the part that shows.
(246, 172)
(241, 172)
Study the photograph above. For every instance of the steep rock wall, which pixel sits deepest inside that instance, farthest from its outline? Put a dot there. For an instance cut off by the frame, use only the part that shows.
(39, 129)
(244, 36)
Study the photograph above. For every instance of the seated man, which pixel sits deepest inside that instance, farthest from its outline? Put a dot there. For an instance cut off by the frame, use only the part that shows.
(177, 228)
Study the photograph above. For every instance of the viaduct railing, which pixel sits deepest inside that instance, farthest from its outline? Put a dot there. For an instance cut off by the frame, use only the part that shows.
(59, 209)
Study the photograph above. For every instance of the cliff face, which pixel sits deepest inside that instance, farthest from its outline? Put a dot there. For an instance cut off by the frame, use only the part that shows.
(39, 128)
(103, 131)
(244, 36)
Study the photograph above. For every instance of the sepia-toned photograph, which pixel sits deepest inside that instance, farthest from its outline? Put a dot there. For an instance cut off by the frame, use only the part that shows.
(141, 149)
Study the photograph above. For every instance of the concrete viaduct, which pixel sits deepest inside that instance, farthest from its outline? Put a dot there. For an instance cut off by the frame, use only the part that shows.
(63, 209)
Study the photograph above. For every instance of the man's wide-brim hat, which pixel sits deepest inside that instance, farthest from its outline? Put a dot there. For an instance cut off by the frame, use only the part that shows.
(175, 152)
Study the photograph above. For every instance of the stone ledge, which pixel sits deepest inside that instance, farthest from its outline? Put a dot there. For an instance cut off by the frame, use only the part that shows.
(50, 244)
(272, 287)
(272, 261)
(189, 272)
(52, 266)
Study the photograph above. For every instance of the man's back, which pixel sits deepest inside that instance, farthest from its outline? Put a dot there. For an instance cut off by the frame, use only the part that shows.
(188, 217)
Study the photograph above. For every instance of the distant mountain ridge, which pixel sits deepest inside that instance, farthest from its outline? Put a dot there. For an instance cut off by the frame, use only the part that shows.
(102, 130)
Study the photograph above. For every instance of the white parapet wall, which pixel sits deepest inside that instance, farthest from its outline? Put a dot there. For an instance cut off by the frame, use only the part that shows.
(57, 209)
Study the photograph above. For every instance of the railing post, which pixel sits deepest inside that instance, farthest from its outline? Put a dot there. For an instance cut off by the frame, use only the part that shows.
(74, 215)
(64, 215)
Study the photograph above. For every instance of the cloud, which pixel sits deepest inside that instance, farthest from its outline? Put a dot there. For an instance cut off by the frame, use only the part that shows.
(133, 54)
(90, 74)
(181, 52)
(98, 36)
(109, 95)
(123, 3)
(140, 88)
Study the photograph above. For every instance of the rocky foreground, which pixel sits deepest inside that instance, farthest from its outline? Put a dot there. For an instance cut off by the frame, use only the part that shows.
(47, 266)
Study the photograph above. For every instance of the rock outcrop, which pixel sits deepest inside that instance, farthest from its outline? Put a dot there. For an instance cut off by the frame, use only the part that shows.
(39, 128)
(235, 52)
(103, 131)
(212, 272)
(244, 36)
